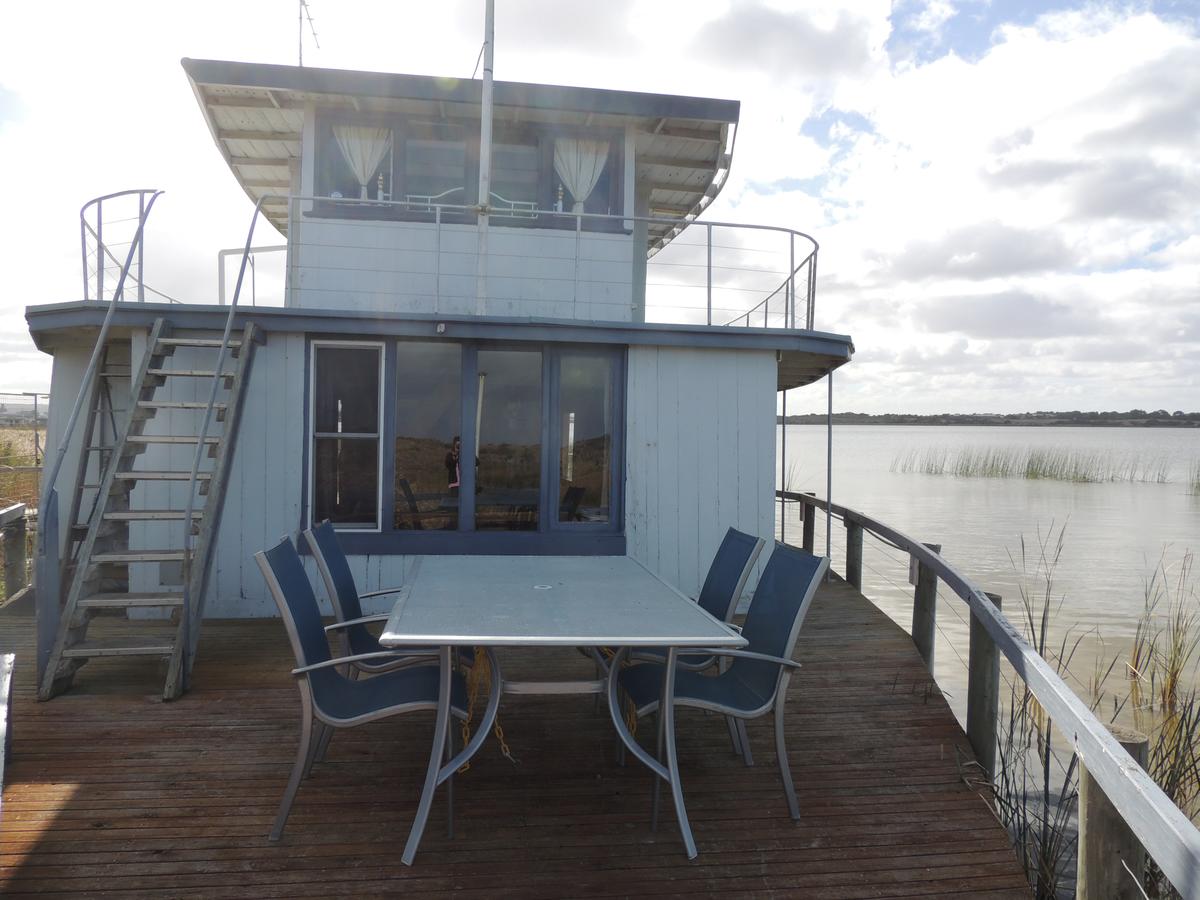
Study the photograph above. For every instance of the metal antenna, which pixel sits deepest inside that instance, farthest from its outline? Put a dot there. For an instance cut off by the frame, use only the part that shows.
(303, 12)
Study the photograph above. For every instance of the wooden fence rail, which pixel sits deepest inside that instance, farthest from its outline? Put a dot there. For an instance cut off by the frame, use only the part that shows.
(1157, 823)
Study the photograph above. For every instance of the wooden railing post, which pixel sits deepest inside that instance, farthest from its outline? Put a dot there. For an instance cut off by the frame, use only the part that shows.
(808, 539)
(14, 555)
(1107, 845)
(854, 548)
(925, 609)
(983, 694)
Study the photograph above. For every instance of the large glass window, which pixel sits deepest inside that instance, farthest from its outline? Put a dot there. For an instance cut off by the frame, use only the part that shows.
(346, 429)
(428, 444)
(516, 179)
(355, 162)
(509, 413)
(585, 437)
(435, 165)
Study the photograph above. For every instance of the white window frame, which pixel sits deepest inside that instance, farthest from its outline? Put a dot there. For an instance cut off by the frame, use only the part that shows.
(315, 345)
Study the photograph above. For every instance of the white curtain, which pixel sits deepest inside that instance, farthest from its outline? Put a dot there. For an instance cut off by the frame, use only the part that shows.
(579, 163)
(364, 148)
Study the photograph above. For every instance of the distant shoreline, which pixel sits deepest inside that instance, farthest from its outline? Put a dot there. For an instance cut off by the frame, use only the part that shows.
(1135, 418)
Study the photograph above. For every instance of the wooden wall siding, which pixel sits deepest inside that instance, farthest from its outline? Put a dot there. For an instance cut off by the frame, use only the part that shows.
(365, 265)
(107, 793)
(701, 453)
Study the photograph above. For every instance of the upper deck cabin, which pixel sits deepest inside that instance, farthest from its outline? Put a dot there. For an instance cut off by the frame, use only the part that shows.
(375, 181)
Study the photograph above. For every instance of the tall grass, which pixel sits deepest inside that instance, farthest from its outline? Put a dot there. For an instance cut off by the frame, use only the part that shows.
(1036, 792)
(1055, 464)
(1194, 477)
(17, 452)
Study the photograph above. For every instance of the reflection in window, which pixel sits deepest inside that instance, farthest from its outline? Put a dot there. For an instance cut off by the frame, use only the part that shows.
(435, 166)
(516, 173)
(346, 434)
(509, 413)
(428, 417)
(585, 415)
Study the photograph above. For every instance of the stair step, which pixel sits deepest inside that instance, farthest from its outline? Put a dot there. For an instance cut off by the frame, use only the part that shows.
(130, 645)
(162, 476)
(169, 439)
(128, 556)
(178, 404)
(196, 342)
(150, 515)
(190, 373)
(155, 599)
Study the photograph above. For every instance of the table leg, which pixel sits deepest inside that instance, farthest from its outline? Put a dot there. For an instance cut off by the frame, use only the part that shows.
(666, 709)
(435, 756)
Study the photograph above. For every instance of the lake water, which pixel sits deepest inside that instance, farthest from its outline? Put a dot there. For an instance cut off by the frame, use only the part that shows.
(1117, 533)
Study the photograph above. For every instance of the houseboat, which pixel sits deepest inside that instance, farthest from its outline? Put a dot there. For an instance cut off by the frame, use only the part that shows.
(541, 347)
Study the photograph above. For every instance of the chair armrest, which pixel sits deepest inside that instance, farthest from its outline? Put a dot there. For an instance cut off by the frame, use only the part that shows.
(742, 654)
(362, 620)
(362, 657)
(382, 591)
(734, 626)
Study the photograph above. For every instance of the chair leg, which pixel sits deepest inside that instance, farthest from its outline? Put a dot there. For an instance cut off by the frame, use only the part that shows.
(450, 781)
(314, 747)
(734, 740)
(785, 772)
(747, 756)
(658, 754)
(302, 754)
(323, 744)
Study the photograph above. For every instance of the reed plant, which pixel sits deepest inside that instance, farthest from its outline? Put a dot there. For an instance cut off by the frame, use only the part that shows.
(1194, 477)
(18, 484)
(1049, 463)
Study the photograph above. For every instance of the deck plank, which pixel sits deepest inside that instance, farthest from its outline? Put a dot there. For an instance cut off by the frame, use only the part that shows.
(109, 790)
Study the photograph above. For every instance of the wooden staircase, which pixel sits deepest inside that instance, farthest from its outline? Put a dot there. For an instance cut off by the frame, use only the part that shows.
(104, 567)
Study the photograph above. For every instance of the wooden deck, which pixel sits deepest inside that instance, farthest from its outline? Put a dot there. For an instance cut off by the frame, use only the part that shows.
(110, 790)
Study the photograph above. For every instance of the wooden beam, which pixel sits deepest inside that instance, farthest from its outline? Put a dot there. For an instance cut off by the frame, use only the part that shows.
(264, 183)
(667, 162)
(274, 100)
(251, 103)
(670, 210)
(234, 134)
(668, 186)
(265, 161)
(688, 134)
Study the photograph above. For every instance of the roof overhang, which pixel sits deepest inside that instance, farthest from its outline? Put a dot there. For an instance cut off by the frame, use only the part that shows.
(804, 356)
(255, 113)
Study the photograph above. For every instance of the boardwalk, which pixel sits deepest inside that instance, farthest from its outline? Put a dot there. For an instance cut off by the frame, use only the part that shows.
(110, 790)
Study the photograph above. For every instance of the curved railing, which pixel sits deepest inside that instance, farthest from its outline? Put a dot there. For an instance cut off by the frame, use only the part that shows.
(1165, 832)
(798, 293)
(102, 250)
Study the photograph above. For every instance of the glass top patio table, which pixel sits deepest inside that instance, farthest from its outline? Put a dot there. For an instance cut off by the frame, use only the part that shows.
(545, 601)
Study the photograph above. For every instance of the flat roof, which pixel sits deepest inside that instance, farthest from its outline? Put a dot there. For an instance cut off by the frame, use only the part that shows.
(804, 356)
(255, 113)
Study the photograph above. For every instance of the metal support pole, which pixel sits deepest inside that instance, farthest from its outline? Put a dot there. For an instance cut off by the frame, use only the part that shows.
(924, 620)
(829, 472)
(808, 526)
(791, 303)
(1107, 845)
(485, 159)
(100, 250)
(783, 475)
(983, 694)
(708, 230)
(141, 252)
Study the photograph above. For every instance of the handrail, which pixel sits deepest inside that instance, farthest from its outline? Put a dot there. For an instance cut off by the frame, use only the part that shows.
(201, 446)
(141, 284)
(788, 280)
(1163, 830)
(424, 205)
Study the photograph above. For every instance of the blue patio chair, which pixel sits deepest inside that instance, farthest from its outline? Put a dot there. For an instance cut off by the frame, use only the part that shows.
(756, 681)
(328, 699)
(351, 625)
(723, 586)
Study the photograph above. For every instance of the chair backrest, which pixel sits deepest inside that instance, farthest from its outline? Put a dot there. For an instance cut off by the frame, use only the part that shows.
(410, 501)
(728, 573)
(335, 571)
(781, 601)
(284, 573)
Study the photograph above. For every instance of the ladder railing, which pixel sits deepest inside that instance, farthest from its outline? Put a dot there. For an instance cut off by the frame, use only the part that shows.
(49, 565)
(190, 603)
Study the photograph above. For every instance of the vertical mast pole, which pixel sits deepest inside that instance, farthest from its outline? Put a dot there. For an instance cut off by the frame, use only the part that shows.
(485, 160)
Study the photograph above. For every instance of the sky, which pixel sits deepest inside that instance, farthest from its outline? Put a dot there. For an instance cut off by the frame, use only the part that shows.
(1006, 194)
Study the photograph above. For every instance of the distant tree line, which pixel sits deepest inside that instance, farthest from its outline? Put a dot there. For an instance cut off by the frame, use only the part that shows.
(1134, 418)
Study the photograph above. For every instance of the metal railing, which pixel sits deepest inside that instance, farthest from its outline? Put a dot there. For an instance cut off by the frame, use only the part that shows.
(715, 273)
(1163, 830)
